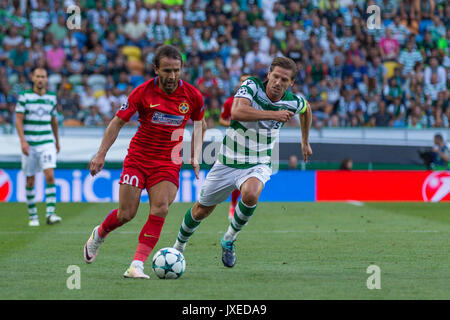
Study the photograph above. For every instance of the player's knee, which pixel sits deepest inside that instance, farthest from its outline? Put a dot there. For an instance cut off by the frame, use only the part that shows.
(30, 182)
(200, 212)
(160, 209)
(125, 215)
(250, 198)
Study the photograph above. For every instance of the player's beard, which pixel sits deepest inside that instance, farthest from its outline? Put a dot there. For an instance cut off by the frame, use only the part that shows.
(169, 85)
(39, 86)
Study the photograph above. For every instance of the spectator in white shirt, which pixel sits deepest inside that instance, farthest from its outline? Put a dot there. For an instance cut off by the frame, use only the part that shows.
(409, 57)
(135, 30)
(12, 40)
(433, 88)
(255, 56)
(176, 16)
(107, 102)
(158, 15)
(235, 64)
(434, 67)
(195, 14)
(40, 17)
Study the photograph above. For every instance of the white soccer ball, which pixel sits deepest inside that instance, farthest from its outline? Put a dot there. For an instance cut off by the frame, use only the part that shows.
(168, 263)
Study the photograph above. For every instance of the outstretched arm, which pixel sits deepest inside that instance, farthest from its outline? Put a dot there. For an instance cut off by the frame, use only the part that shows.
(305, 124)
(242, 110)
(111, 133)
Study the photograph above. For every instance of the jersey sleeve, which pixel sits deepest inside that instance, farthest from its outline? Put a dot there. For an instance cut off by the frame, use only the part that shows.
(20, 106)
(302, 103)
(199, 107)
(129, 108)
(247, 90)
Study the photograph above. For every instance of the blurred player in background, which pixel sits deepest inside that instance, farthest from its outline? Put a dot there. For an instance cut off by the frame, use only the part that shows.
(164, 103)
(37, 127)
(259, 111)
(224, 120)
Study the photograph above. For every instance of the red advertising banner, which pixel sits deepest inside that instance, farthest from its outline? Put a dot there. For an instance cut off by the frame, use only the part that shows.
(428, 186)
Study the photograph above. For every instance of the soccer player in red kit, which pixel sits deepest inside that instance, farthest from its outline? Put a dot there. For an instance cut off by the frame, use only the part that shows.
(164, 104)
(224, 120)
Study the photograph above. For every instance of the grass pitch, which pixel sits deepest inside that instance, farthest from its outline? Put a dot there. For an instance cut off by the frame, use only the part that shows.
(287, 251)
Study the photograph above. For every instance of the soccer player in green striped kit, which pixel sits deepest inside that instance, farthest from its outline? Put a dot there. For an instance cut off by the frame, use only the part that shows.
(37, 128)
(259, 111)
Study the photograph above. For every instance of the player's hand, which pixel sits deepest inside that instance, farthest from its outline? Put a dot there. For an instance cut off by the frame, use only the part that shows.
(96, 164)
(196, 167)
(306, 151)
(25, 148)
(58, 147)
(283, 115)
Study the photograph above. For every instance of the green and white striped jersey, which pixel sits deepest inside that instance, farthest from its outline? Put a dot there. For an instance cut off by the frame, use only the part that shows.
(38, 111)
(248, 143)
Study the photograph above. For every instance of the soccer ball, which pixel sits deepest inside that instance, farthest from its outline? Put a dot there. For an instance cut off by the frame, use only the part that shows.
(168, 263)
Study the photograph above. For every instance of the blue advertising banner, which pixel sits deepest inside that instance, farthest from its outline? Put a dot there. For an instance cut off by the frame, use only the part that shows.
(80, 186)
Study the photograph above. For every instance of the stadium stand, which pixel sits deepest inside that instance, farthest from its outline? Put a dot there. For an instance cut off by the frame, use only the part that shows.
(396, 75)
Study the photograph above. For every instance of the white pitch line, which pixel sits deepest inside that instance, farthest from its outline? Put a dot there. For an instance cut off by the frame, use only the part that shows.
(356, 203)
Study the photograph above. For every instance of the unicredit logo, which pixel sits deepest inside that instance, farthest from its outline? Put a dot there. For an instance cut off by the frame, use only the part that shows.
(436, 187)
(5, 186)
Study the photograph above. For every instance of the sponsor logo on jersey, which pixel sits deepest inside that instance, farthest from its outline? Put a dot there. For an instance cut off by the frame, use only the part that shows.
(167, 119)
(183, 107)
(153, 105)
(436, 187)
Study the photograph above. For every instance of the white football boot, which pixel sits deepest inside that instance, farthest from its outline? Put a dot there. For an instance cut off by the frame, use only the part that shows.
(33, 222)
(92, 245)
(136, 270)
(53, 218)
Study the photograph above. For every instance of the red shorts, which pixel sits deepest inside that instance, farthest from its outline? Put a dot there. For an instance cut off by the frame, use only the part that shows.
(145, 177)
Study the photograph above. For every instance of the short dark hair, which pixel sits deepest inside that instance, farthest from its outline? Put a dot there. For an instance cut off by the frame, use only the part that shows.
(285, 63)
(439, 137)
(33, 70)
(168, 51)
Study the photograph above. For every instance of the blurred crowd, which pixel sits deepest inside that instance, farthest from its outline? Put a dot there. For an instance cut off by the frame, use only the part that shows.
(353, 71)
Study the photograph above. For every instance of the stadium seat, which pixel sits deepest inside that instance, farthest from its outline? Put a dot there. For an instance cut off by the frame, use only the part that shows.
(99, 93)
(54, 80)
(390, 67)
(75, 79)
(97, 82)
(132, 53)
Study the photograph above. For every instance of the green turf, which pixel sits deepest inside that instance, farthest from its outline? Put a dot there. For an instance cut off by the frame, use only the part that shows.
(287, 251)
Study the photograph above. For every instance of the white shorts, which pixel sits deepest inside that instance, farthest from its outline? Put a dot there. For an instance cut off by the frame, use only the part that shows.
(222, 180)
(39, 159)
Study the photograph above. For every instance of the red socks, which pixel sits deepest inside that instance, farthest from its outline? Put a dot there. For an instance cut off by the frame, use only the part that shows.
(109, 224)
(234, 197)
(148, 237)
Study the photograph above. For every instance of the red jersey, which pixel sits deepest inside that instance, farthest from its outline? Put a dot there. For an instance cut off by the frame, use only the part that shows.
(162, 120)
(226, 110)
